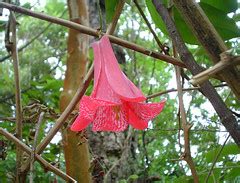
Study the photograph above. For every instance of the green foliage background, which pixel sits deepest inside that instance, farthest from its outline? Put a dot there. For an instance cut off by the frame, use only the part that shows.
(42, 67)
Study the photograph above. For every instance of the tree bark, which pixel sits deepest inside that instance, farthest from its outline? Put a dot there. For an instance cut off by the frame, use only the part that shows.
(76, 156)
(226, 116)
(209, 39)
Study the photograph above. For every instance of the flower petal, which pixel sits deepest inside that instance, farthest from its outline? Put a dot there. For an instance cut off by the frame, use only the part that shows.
(110, 118)
(88, 108)
(147, 111)
(136, 122)
(115, 100)
(102, 90)
(97, 64)
(80, 123)
(116, 78)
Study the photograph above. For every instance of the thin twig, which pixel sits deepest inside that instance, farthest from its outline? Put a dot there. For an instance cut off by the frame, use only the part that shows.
(28, 150)
(150, 27)
(40, 120)
(186, 129)
(151, 76)
(145, 158)
(12, 43)
(93, 32)
(193, 130)
(184, 89)
(227, 167)
(180, 97)
(216, 158)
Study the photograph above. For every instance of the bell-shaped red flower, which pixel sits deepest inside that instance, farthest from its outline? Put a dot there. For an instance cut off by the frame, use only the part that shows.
(115, 101)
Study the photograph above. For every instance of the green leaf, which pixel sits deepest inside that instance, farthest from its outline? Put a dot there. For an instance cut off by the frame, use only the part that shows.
(224, 25)
(155, 16)
(236, 17)
(223, 5)
(123, 181)
(183, 179)
(234, 172)
(53, 84)
(55, 7)
(110, 9)
(133, 177)
(182, 27)
(27, 5)
(2, 25)
(229, 149)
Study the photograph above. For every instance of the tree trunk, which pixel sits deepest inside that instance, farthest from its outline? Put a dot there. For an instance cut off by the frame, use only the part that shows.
(76, 155)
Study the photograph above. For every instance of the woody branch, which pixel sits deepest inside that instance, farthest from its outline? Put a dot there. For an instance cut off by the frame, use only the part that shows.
(226, 116)
(93, 32)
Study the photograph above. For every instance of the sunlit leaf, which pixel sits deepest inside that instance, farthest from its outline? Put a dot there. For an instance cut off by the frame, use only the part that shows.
(223, 5)
(110, 9)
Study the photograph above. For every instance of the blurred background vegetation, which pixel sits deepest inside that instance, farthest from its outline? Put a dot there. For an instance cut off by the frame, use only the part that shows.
(156, 151)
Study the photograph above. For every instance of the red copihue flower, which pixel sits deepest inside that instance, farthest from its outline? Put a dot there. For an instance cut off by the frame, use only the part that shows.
(115, 101)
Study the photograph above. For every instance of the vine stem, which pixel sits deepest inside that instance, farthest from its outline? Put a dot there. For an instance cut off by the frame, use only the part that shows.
(184, 89)
(150, 27)
(186, 129)
(100, 15)
(12, 45)
(93, 32)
